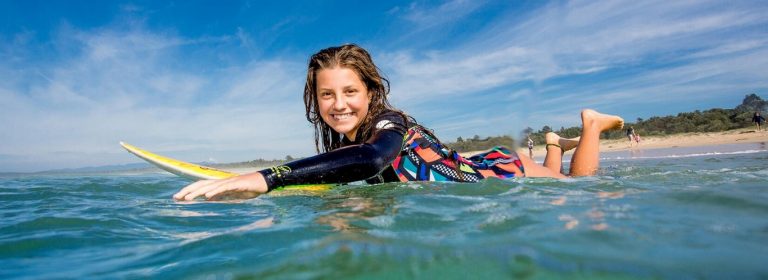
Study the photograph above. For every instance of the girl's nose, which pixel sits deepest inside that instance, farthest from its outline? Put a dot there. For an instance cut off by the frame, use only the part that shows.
(339, 103)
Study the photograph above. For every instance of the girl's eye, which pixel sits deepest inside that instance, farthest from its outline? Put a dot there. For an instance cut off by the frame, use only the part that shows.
(325, 94)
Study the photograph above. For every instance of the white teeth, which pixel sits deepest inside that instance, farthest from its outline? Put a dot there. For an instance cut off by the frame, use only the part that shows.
(342, 116)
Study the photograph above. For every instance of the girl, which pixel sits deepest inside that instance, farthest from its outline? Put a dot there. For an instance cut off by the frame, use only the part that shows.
(362, 137)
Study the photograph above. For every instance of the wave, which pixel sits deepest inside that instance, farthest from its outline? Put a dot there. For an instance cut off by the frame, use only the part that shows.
(682, 155)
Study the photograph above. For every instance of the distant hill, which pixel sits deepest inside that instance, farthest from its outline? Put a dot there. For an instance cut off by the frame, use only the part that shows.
(100, 169)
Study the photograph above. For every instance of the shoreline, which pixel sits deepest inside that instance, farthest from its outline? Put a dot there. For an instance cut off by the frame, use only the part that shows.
(691, 139)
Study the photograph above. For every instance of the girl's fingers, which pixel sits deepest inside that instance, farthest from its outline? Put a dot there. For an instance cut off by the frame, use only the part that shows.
(191, 188)
(232, 185)
(230, 193)
(202, 190)
(216, 193)
(180, 194)
(243, 186)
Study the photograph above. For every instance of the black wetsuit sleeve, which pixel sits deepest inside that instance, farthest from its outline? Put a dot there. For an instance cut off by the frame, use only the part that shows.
(343, 165)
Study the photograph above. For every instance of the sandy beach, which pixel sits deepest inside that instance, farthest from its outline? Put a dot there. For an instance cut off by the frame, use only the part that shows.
(744, 135)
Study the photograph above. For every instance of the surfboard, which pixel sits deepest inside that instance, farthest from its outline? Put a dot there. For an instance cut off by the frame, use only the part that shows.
(199, 172)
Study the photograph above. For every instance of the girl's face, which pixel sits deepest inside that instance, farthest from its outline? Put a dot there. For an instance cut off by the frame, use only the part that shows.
(342, 99)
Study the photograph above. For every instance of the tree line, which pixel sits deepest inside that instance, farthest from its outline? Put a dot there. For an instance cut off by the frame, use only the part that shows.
(712, 120)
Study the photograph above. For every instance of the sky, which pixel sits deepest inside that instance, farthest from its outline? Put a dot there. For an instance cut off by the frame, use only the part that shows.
(222, 81)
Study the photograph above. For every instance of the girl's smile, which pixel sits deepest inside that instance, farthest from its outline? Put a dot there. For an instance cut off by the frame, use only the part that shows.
(342, 116)
(342, 100)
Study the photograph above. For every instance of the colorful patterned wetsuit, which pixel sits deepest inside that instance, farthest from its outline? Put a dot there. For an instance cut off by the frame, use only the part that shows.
(424, 158)
(394, 153)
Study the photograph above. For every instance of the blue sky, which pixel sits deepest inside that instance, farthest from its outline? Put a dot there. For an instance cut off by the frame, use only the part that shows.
(222, 80)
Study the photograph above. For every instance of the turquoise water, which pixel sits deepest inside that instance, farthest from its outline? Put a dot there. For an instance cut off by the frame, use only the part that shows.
(652, 214)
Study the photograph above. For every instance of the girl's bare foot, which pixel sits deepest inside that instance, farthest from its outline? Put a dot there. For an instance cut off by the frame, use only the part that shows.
(565, 144)
(601, 121)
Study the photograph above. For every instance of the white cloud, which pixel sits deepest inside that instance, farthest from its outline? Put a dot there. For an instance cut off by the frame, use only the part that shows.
(437, 75)
(449, 12)
(676, 45)
(134, 86)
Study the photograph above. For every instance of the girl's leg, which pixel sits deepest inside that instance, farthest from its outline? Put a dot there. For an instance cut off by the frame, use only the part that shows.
(586, 159)
(556, 146)
(534, 170)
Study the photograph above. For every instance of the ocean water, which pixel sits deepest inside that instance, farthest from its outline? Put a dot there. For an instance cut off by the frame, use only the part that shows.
(678, 213)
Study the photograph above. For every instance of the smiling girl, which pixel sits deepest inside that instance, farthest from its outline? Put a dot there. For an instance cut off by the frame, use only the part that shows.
(360, 136)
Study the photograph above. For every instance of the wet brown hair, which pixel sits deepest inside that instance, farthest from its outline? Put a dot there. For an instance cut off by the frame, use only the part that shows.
(358, 60)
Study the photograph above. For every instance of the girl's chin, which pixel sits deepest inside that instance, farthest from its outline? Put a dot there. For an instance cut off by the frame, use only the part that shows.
(343, 127)
(342, 130)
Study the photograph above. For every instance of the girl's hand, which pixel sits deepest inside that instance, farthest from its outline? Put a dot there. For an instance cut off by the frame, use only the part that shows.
(239, 187)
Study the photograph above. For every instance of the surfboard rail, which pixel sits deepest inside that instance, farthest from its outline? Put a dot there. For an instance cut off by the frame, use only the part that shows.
(181, 168)
(200, 172)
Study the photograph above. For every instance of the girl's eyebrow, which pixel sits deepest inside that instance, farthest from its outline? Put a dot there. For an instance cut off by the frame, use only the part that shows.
(354, 85)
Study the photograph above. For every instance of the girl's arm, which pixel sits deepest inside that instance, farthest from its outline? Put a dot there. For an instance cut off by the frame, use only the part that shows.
(343, 165)
(346, 164)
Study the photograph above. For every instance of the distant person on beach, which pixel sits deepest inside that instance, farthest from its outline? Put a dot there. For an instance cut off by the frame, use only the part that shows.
(637, 138)
(530, 147)
(758, 120)
(630, 135)
(359, 135)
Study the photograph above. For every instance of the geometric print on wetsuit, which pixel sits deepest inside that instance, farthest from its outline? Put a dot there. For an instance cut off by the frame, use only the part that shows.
(424, 158)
